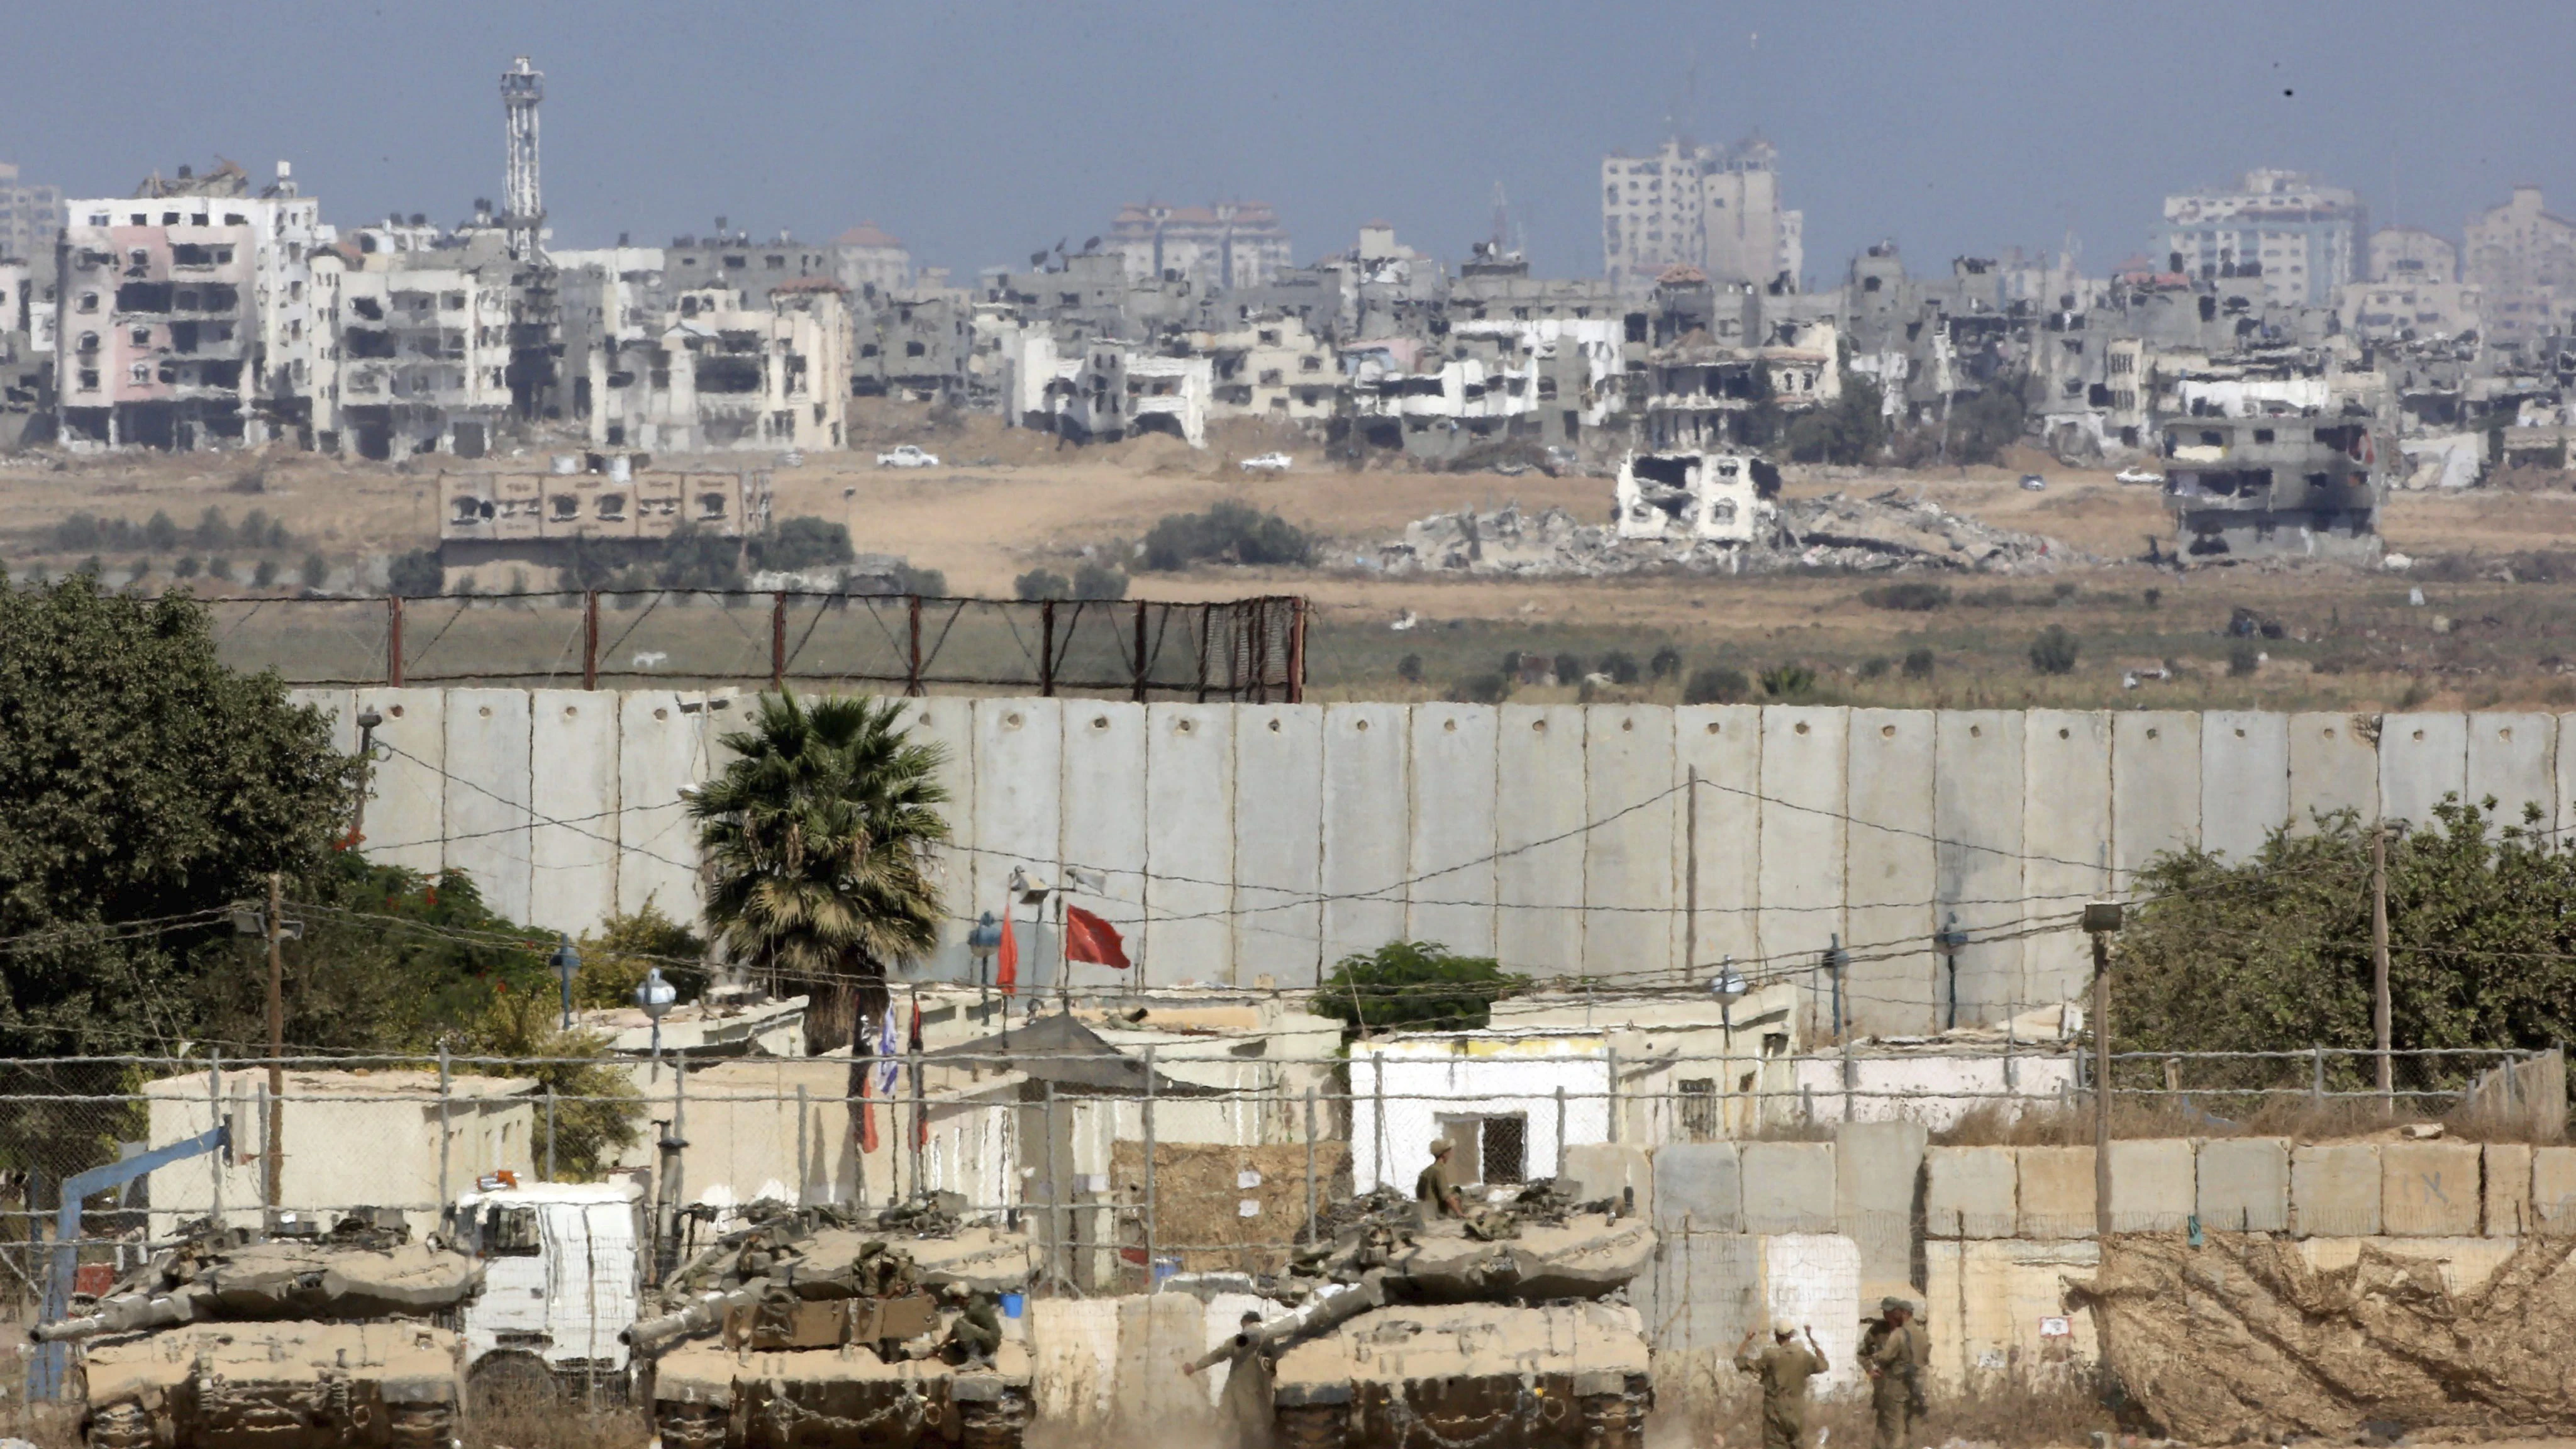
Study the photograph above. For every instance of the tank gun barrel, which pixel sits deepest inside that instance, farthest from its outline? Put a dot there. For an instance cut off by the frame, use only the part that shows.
(653, 1333)
(1321, 1314)
(126, 1313)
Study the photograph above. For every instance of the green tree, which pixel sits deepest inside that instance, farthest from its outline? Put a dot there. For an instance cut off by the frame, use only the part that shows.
(816, 839)
(699, 558)
(417, 575)
(615, 958)
(1851, 430)
(1983, 426)
(1094, 580)
(1415, 985)
(2055, 650)
(2272, 953)
(598, 1109)
(139, 779)
(801, 543)
(1717, 684)
(1041, 583)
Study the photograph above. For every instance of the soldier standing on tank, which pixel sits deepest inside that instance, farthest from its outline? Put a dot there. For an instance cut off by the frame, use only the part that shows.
(1435, 1188)
(1784, 1369)
(1895, 1354)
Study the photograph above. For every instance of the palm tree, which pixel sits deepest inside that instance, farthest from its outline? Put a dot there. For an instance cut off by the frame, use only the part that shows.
(816, 839)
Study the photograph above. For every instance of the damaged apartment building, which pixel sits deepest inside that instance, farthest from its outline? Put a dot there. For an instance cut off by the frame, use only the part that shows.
(187, 315)
(707, 346)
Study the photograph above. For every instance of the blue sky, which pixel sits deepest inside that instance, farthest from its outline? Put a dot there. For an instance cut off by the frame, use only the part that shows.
(979, 133)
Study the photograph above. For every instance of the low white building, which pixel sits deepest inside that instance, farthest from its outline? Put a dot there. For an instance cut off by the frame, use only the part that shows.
(1556, 1070)
(1692, 497)
(350, 1139)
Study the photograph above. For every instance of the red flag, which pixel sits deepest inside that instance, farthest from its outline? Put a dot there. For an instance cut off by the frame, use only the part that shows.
(1006, 969)
(867, 1111)
(1089, 938)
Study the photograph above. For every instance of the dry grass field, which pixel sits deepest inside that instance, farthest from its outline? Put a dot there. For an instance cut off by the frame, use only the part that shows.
(2497, 603)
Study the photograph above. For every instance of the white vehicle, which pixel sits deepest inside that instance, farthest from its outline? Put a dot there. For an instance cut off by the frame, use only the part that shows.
(2139, 475)
(2033, 483)
(563, 1275)
(907, 456)
(1268, 463)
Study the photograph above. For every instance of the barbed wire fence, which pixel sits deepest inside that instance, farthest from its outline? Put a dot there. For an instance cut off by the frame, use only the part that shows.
(1207, 1161)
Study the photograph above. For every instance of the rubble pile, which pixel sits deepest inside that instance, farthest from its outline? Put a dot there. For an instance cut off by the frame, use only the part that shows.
(1886, 532)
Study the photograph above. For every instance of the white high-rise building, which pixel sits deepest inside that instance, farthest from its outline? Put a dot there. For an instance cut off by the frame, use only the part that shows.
(1699, 206)
(2306, 238)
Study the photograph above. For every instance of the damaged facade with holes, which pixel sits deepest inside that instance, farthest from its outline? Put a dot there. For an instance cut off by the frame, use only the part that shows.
(189, 318)
(711, 372)
(613, 511)
(443, 346)
(2287, 487)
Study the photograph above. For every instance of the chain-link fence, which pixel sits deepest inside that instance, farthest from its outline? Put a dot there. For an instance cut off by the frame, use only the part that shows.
(1196, 1155)
(1240, 649)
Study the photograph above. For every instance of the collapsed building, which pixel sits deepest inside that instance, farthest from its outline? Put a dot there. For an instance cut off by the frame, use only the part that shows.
(602, 509)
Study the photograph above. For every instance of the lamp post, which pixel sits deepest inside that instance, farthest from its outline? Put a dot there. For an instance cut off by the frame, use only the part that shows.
(655, 996)
(1728, 989)
(567, 962)
(981, 943)
(1950, 939)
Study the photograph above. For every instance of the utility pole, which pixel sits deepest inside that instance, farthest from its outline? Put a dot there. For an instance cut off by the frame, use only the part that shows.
(367, 722)
(1690, 878)
(2101, 918)
(276, 1039)
(2382, 1029)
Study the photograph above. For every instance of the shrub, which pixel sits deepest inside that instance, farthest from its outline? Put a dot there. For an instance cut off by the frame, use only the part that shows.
(1717, 685)
(316, 569)
(1568, 668)
(1621, 666)
(1409, 669)
(1098, 581)
(2063, 590)
(265, 574)
(1998, 597)
(1482, 689)
(1415, 984)
(77, 534)
(2055, 650)
(1911, 597)
(1666, 663)
(698, 558)
(187, 567)
(2155, 598)
(1873, 667)
(1229, 532)
(159, 533)
(1918, 664)
(258, 530)
(220, 568)
(142, 570)
(2243, 658)
(416, 575)
(212, 532)
(1788, 681)
(799, 544)
(1039, 584)
(927, 583)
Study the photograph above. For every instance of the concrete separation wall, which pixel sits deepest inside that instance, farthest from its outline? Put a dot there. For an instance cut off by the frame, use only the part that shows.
(2244, 1185)
(1250, 842)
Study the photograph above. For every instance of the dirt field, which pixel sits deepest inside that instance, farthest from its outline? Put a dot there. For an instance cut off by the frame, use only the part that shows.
(1006, 501)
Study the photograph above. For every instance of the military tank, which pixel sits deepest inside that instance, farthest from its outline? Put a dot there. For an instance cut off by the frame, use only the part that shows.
(1507, 1329)
(818, 1329)
(229, 1340)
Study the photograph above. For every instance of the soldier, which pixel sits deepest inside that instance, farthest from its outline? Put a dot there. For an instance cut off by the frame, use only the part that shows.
(1895, 1353)
(1784, 1369)
(977, 1331)
(1435, 1188)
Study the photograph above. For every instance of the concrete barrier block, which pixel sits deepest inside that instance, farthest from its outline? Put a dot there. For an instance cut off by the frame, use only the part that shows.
(1970, 1192)
(1189, 781)
(2153, 1185)
(1723, 744)
(1976, 763)
(1596, 1170)
(2333, 766)
(1699, 1185)
(1367, 780)
(2244, 779)
(2429, 1189)
(2244, 1185)
(2507, 1199)
(1073, 1358)
(2056, 1191)
(1805, 790)
(1878, 1170)
(1629, 868)
(2423, 760)
(1538, 773)
(1707, 1291)
(1814, 1279)
(1896, 990)
(2334, 1190)
(1788, 1187)
(1452, 839)
(2514, 757)
(1985, 1305)
(2553, 1190)
(2065, 829)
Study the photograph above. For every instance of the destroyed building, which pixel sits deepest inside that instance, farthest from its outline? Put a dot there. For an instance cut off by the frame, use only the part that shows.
(1716, 209)
(1702, 497)
(2298, 485)
(602, 507)
(187, 316)
(667, 354)
(1229, 244)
